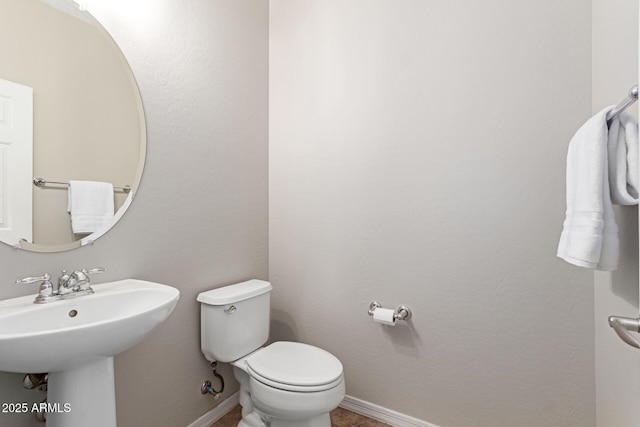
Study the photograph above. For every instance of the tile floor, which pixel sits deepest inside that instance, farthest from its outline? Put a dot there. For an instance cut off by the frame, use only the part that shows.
(339, 418)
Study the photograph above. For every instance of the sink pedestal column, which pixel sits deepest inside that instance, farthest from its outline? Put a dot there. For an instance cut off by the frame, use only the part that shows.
(83, 397)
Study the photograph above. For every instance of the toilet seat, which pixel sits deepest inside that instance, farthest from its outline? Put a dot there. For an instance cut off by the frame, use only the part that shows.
(295, 366)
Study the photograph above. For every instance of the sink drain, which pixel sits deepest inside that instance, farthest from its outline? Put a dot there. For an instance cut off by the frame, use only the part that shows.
(73, 313)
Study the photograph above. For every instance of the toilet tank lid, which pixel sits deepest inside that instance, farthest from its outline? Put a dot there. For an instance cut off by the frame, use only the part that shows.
(235, 293)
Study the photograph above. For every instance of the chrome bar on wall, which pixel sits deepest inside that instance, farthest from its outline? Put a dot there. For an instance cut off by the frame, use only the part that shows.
(622, 326)
(41, 182)
(623, 105)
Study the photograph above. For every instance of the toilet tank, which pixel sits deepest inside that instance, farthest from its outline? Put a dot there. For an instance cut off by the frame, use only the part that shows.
(234, 320)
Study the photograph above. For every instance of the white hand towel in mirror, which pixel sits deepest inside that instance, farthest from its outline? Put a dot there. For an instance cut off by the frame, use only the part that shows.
(590, 234)
(90, 205)
(87, 240)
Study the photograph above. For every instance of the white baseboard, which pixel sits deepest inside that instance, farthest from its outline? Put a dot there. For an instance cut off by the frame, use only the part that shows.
(350, 403)
(380, 413)
(218, 412)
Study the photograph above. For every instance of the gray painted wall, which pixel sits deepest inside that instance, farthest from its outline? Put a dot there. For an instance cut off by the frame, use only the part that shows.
(442, 190)
(200, 217)
(417, 156)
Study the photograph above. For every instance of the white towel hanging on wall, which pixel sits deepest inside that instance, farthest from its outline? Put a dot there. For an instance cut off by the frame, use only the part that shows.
(623, 160)
(602, 169)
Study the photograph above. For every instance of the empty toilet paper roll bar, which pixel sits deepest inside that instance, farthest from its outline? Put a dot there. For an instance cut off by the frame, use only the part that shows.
(401, 313)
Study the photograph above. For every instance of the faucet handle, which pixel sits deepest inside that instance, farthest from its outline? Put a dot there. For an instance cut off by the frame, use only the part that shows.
(83, 277)
(44, 291)
(28, 280)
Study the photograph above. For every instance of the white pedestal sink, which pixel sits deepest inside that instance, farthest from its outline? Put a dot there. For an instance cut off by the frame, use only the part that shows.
(75, 340)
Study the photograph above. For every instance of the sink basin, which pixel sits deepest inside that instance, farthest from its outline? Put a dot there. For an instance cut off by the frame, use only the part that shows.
(61, 335)
(74, 340)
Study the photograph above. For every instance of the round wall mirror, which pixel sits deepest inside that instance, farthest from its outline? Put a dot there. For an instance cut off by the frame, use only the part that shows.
(72, 130)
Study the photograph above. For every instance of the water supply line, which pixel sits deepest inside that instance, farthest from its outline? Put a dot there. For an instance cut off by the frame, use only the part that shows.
(207, 387)
(40, 383)
(37, 382)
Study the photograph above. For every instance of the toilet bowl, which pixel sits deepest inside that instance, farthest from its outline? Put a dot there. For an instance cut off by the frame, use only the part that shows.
(289, 381)
(284, 384)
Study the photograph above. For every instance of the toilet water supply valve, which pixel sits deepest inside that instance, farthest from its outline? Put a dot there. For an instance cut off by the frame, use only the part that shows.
(39, 383)
(207, 387)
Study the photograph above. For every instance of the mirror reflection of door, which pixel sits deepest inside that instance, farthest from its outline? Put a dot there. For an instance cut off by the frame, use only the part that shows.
(16, 161)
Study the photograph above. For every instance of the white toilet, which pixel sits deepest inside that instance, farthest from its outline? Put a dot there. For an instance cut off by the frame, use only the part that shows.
(283, 384)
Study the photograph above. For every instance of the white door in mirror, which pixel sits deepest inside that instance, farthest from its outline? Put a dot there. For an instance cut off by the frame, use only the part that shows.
(16, 145)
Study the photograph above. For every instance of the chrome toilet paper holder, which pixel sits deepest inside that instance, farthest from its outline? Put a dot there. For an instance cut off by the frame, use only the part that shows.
(401, 313)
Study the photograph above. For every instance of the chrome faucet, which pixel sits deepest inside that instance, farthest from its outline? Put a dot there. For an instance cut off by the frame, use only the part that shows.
(77, 281)
(69, 285)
